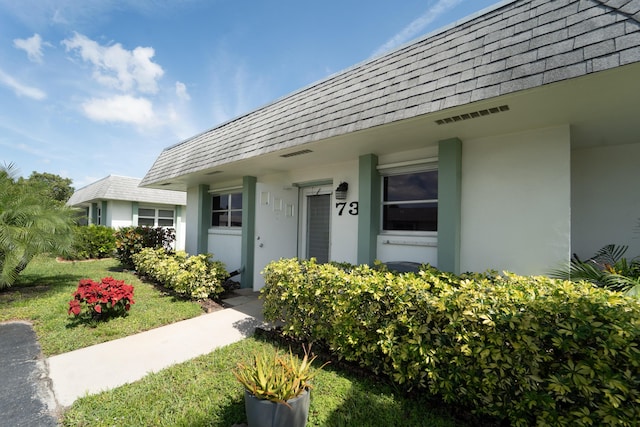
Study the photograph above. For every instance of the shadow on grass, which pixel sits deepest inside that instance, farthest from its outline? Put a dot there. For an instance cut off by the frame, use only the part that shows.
(33, 286)
(27, 280)
(90, 321)
(374, 400)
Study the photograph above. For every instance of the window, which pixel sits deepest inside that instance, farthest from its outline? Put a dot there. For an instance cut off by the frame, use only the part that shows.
(410, 201)
(227, 210)
(152, 217)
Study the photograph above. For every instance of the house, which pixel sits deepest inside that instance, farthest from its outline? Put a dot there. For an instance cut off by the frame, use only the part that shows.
(118, 201)
(509, 141)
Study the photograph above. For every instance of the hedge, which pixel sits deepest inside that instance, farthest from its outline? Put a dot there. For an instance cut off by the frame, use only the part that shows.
(533, 350)
(92, 241)
(131, 240)
(193, 276)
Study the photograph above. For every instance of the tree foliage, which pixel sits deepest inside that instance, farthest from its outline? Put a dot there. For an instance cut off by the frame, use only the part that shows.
(30, 224)
(50, 185)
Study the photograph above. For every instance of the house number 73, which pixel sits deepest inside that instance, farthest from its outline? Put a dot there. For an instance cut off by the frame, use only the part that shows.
(353, 208)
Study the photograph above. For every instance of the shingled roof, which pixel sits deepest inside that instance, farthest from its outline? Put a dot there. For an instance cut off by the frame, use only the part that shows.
(514, 46)
(124, 188)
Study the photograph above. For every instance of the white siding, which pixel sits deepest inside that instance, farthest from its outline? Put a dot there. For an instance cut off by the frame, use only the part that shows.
(515, 201)
(192, 217)
(226, 246)
(119, 214)
(605, 198)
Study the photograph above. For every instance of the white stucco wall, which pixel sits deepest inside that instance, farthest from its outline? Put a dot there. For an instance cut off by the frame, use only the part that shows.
(516, 201)
(119, 214)
(181, 228)
(605, 198)
(192, 218)
(226, 246)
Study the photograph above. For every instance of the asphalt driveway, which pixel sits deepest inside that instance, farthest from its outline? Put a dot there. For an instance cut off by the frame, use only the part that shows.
(26, 397)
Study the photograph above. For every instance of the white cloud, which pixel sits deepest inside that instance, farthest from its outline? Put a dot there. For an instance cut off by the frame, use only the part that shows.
(33, 47)
(116, 67)
(181, 91)
(20, 89)
(122, 108)
(417, 26)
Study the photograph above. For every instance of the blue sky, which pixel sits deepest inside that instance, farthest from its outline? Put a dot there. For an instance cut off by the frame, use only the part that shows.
(90, 88)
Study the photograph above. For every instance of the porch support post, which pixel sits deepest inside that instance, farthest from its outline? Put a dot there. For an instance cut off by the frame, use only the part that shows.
(103, 213)
(134, 214)
(94, 214)
(369, 208)
(248, 230)
(449, 204)
(204, 219)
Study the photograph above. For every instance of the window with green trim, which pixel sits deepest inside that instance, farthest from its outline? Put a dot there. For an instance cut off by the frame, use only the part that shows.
(227, 210)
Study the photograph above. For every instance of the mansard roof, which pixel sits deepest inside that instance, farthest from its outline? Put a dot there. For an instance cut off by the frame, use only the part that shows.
(123, 188)
(511, 47)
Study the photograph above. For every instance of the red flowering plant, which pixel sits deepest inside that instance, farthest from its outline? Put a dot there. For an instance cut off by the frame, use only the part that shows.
(107, 298)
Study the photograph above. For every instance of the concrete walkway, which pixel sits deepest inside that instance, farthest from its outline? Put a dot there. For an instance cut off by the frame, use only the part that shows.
(111, 364)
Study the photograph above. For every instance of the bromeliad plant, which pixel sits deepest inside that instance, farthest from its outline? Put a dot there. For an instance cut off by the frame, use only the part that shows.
(277, 377)
(107, 298)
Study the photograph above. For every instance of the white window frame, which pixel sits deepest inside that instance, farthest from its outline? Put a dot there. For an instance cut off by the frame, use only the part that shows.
(229, 194)
(156, 216)
(405, 168)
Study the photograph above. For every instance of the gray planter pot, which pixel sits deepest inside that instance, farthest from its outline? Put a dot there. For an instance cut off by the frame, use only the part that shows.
(264, 413)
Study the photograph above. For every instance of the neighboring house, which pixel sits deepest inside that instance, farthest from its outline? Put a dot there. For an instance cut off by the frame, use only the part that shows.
(118, 201)
(507, 141)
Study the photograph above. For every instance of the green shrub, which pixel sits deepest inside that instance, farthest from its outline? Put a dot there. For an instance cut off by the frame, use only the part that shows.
(93, 241)
(534, 350)
(131, 240)
(194, 276)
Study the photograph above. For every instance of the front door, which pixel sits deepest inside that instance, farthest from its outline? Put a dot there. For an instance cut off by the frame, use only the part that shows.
(318, 226)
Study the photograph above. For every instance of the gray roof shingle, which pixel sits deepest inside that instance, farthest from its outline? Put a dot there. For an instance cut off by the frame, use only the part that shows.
(515, 46)
(123, 188)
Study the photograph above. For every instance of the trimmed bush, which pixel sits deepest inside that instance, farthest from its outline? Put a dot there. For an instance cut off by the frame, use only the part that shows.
(102, 300)
(131, 240)
(92, 241)
(533, 350)
(195, 276)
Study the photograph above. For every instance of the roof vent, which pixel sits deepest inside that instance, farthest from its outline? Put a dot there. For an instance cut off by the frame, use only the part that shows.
(473, 115)
(213, 173)
(296, 153)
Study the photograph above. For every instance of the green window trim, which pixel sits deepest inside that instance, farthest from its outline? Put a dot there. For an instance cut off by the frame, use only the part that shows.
(449, 204)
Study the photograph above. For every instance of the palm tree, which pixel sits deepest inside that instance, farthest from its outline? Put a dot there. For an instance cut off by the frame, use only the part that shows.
(30, 224)
(607, 268)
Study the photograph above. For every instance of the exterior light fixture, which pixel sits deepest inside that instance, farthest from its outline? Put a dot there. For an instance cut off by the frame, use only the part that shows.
(341, 191)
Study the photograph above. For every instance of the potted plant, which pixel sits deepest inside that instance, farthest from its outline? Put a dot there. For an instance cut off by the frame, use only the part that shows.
(276, 389)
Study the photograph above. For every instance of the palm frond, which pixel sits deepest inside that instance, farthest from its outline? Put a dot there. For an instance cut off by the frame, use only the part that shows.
(610, 254)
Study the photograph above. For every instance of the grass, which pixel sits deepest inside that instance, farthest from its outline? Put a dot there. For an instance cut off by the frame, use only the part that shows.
(203, 392)
(44, 289)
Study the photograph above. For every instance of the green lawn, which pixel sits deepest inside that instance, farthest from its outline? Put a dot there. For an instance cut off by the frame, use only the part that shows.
(44, 289)
(200, 392)
(203, 392)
